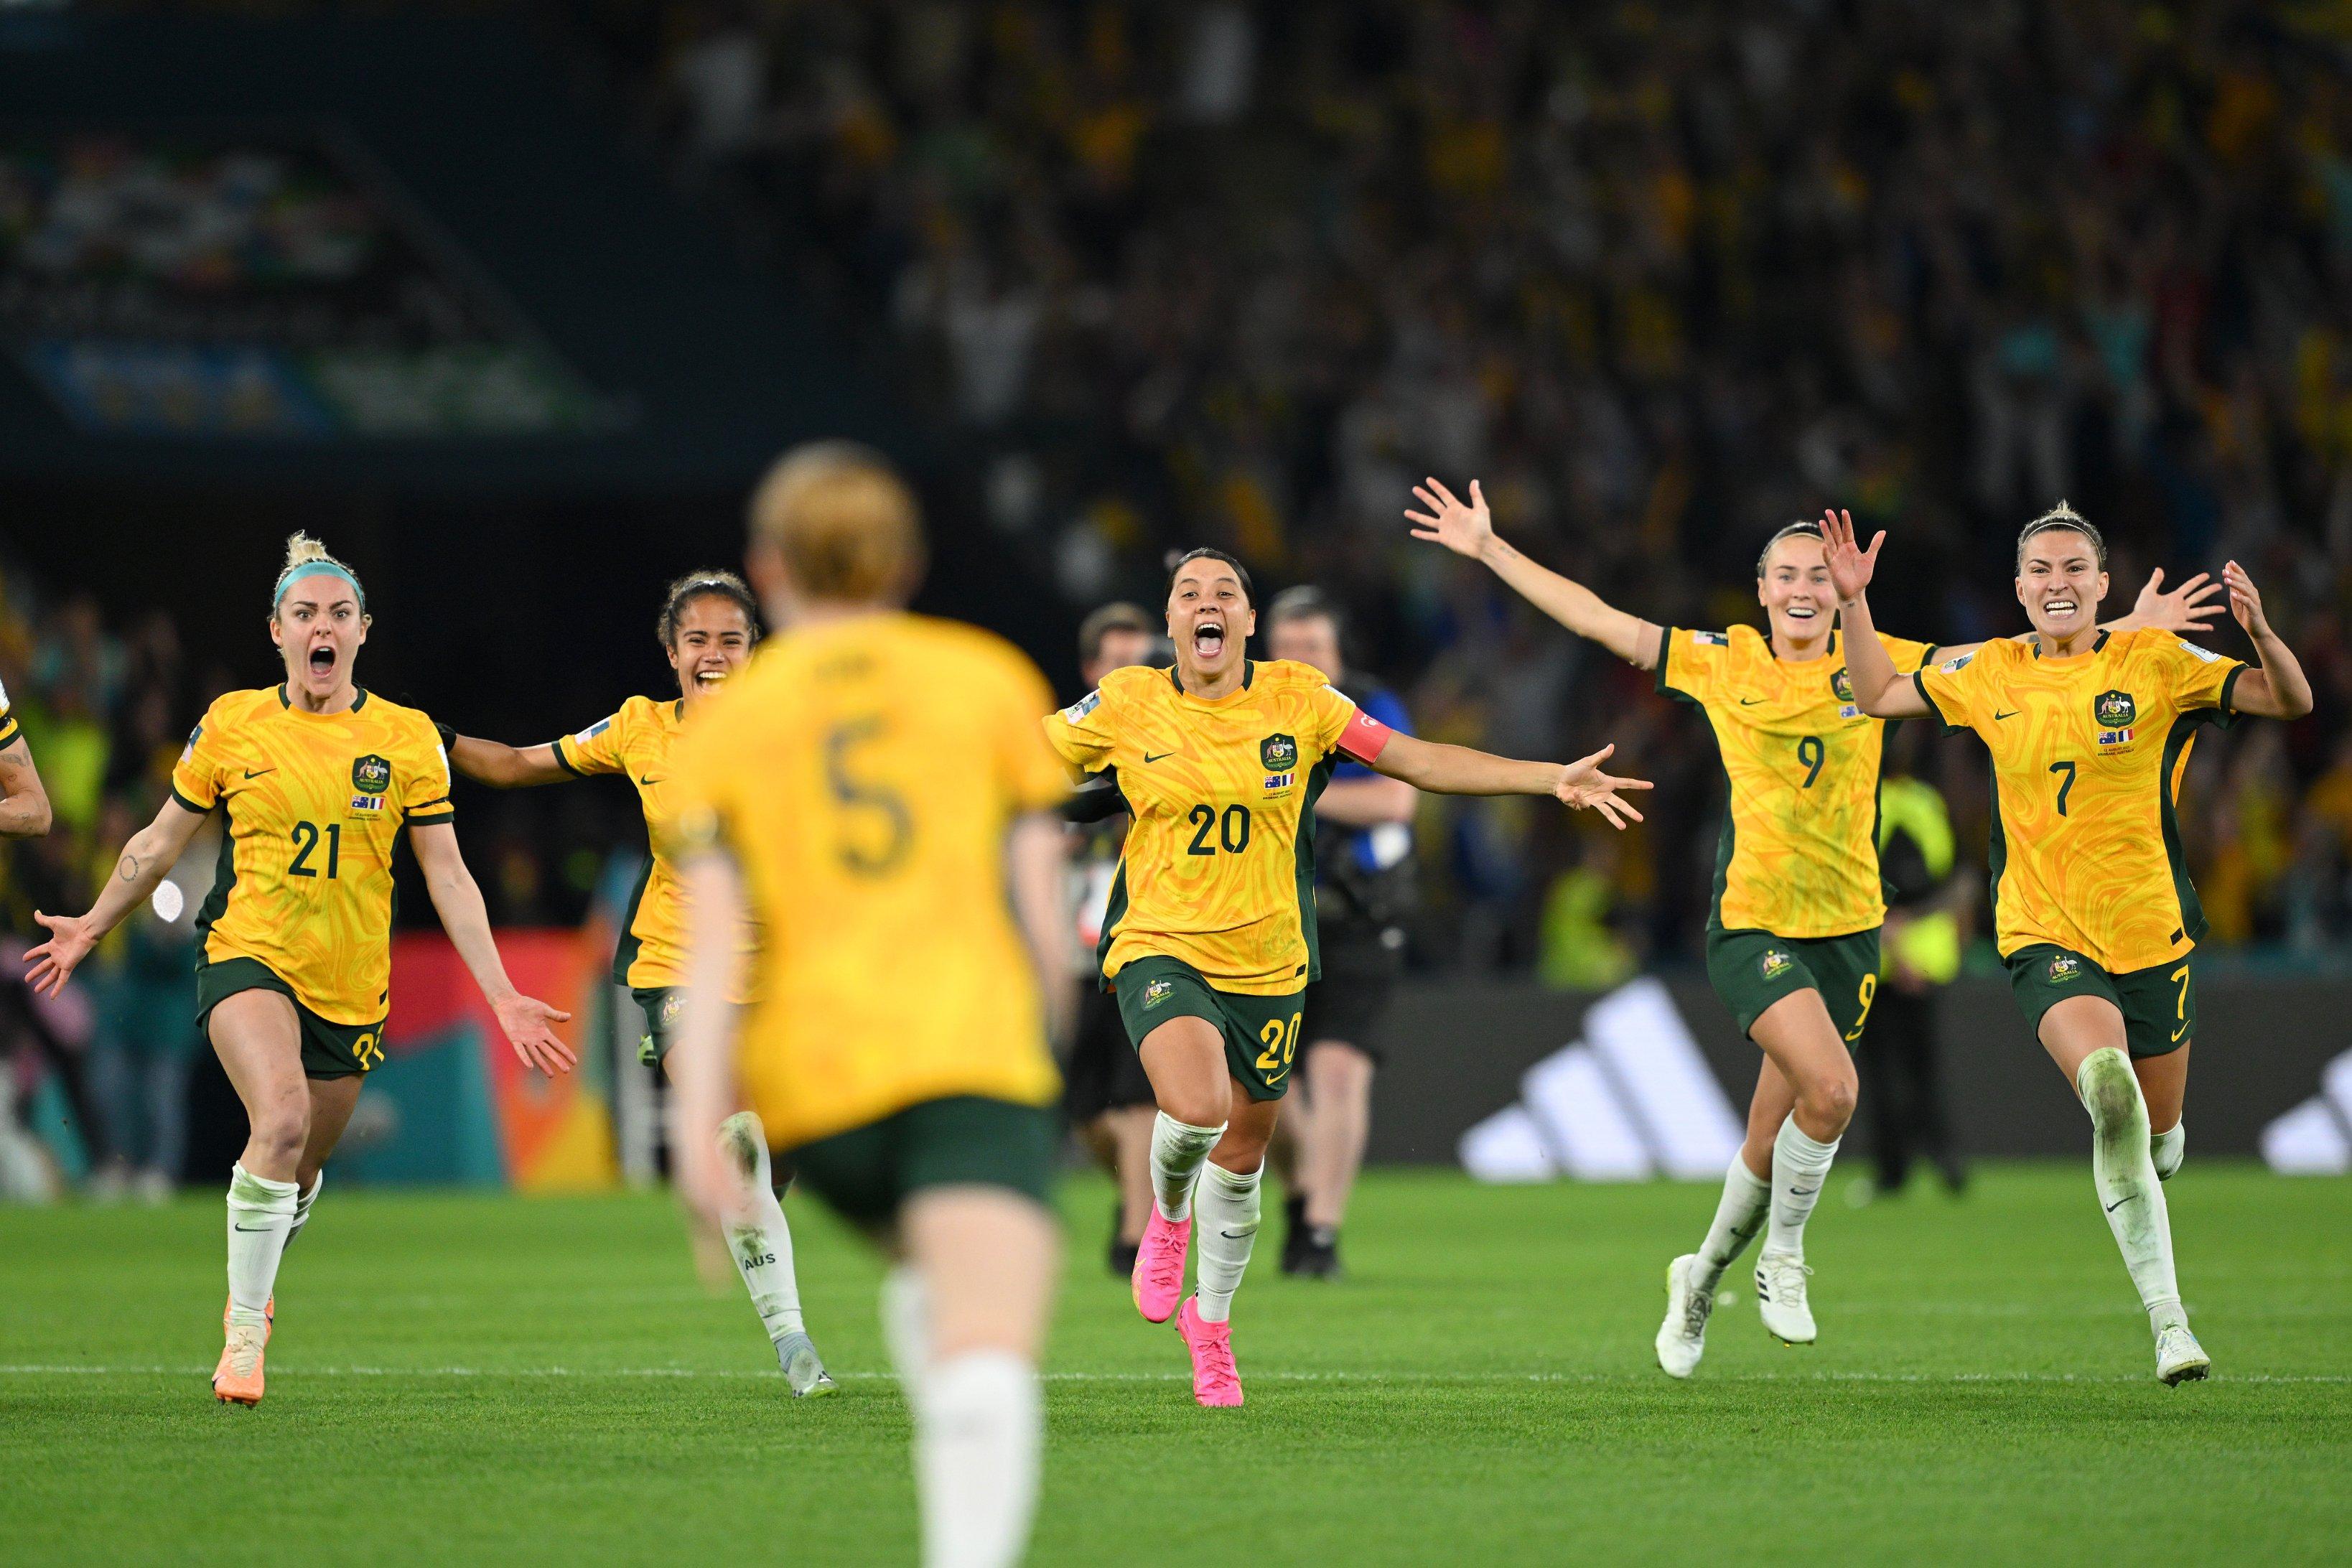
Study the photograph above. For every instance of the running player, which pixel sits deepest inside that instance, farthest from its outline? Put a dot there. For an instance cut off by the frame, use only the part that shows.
(24, 804)
(317, 777)
(1211, 941)
(2093, 908)
(1363, 879)
(1793, 929)
(874, 794)
(1108, 1100)
(708, 627)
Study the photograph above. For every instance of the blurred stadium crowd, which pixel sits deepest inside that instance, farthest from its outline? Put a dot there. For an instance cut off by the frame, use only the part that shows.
(1664, 278)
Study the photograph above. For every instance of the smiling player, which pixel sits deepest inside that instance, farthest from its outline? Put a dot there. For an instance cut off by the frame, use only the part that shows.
(1210, 940)
(2093, 908)
(317, 777)
(1792, 931)
(710, 623)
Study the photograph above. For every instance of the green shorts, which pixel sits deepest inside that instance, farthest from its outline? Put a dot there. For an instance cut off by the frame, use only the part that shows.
(1261, 1032)
(867, 1172)
(328, 1049)
(2159, 1005)
(663, 1005)
(1753, 969)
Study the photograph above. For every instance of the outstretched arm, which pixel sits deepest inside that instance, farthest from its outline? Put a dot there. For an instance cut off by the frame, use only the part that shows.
(24, 804)
(1879, 689)
(506, 767)
(145, 861)
(527, 1022)
(2277, 688)
(1470, 531)
(1458, 769)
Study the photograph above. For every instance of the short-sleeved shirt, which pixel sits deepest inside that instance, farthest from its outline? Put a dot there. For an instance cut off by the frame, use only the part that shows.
(1218, 870)
(636, 742)
(2087, 757)
(1799, 853)
(315, 804)
(864, 774)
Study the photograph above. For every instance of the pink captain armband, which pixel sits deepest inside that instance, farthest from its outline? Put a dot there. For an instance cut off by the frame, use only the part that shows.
(1365, 738)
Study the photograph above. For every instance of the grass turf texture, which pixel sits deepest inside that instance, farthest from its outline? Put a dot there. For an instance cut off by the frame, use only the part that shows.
(466, 1379)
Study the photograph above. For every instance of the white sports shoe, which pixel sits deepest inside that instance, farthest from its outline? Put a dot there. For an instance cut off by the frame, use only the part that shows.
(802, 1370)
(1682, 1338)
(2180, 1358)
(1780, 1297)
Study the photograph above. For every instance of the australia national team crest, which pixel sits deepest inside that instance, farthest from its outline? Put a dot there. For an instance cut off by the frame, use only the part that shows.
(2065, 967)
(371, 780)
(1774, 964)
(1280, 755)
(1156, 992)
(1841, 686)
(2115, 713)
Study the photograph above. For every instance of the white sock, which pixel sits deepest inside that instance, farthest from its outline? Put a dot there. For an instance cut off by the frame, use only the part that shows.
(1228, 1229)
(302, 1203)
(907, 1329)
(757, 1236)
(1737, 1218)
(2167, 1150)
(1799, 1166)
(2124, 1177)
(1178, 1152)
(260, 1213)
(980, 1428)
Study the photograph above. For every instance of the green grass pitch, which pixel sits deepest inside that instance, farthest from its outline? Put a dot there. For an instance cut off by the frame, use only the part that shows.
(475, 1379)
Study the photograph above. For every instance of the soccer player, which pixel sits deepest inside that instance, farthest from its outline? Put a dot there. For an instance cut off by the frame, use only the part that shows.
(1108, 1100)
(2093, 908)
(317, 777)
(24, 804)
(1793, 929)
(1362, 891)
(1211, 941)
(708, 624)
(874, 794)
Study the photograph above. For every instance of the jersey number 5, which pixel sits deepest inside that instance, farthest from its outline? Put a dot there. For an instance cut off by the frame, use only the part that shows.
(875, 824)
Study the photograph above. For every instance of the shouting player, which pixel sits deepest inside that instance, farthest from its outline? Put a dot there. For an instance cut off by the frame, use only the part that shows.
(1209, 943)
(873, 794)
(708, 624)
(1793, 929)
(317, 777)
(2092, 909)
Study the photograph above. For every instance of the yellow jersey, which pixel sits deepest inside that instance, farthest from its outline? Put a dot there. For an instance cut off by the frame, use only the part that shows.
(2087, 756)
(1218, 870)
(10, 730)
(636, 742)
(1799, 853)
(315, 804)
(864, 773)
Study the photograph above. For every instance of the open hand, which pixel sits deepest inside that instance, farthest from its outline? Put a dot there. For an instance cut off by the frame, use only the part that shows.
(1851, 567)
(2182, 610)
(49, 966)
(1582, 786)
(1464, 530)
(528, 1026)
(2245, 600)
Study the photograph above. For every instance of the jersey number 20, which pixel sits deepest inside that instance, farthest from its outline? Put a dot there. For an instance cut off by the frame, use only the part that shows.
(1233, 829)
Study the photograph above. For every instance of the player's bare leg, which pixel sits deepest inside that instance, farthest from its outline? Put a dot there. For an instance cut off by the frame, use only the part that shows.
(2084, 1036)
(1229, 1206)
(332, 1100)
(2164, 1084)
(965, 1315)
(1185, 1060)
(258, 1039)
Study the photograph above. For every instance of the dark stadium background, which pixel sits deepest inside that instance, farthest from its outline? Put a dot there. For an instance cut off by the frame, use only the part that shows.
(1112, 278)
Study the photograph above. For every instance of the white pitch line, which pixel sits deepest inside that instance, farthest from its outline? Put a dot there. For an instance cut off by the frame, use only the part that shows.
(192, 1370)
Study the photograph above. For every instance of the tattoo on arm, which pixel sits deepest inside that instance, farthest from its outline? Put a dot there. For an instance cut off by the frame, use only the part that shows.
(130, 868)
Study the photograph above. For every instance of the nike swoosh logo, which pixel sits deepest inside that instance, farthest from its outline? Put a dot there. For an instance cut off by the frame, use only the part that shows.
(1802, 1192)
(253, 1227)
(1750, 702)
(250, 775)
(1153, 757)
(2180, 1031)
(1997, 718)
(2121, 1202)
(1236, 1235)
(649, 781)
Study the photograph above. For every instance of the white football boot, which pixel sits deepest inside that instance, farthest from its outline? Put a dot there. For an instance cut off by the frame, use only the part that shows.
(1780, 1297)
(2180, 1358)
(1682, 1338)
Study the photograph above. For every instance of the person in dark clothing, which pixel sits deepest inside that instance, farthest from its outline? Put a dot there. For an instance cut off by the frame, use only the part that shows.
(1899, 1052)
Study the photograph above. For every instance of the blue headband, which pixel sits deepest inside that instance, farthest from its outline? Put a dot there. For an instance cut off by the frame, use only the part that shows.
(312, 568)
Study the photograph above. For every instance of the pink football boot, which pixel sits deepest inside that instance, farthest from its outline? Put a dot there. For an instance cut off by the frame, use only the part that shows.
(1159, 1277)
(1216, 1381)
